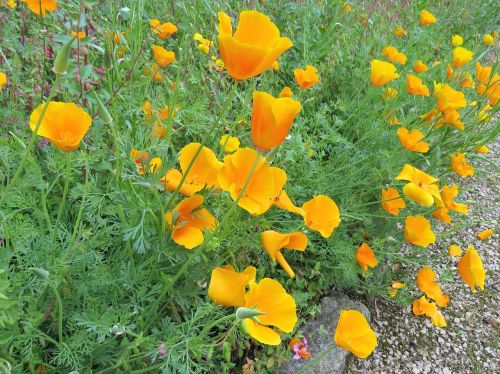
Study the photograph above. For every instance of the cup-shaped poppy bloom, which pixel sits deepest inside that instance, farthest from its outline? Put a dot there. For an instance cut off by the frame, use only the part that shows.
(415, 86)
(278, 308)
(163, 30)
(228, 287)
(354, 334)
(418, 231)
(461, 56)
(3, 80)
(412, 140)
(43, 5)
(254, 46)
(307, 77)
(471, 269)
(259, 194)
(399, 31)
(188, 221)
(448, 194)
(382, 72)
(460, 165)
(483, 73)
(422, 187)
(443, 215)
(427, 18)
(64, 124)
(230, 143)
(272, 118)
(321, 214)
(286, 92)
(394, 56)
(450, 99)
(365, 257)
(426, 282)
(273, 242)
(420, 67)
(457, 41)
(488, 39)
(162, 56)
(485, 234)
(423, 306)
(391, 201)
(454, 250)
(203, 172)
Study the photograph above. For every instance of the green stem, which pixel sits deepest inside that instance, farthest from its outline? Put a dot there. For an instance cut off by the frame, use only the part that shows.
(207, 328)
(60, 311)
(80, 211)
(63, 199)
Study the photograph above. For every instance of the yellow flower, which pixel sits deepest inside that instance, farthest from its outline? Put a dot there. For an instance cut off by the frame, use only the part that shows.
(483, 235)
(420, 67)
(162, 30)
(79, 35)
(188, 221)
(286, 92)
(483, 73)
(399, 31)
(247, 53)
(276, 65)
(203, 172)
(391, 201)
(422, 187)
(482, 149)
(390, 93)
(460, 166)
(426, 282)
(450, 99)
(162, 56)
(461, 56)
(488, 39)
(230, 143)
(306, 78)
(471, 270)
(353, 333)
(412, 140)
(366, 257)
(382, 73)
(414, 86)
(274, 241)
(454, 250)
(64, 124)
(271, 119)
(418, 231)
(426, 18)
(227, 286)
(393, 289)
(448, 194)
(44, 5)
(264, 185)
(457, 41)
(393, 55)
(321, 214)
(3, 80)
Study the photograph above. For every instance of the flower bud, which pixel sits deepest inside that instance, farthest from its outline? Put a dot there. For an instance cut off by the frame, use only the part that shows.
(103, 112)
(242, 313)
(62, 58)
(108, 58)
(40, 273)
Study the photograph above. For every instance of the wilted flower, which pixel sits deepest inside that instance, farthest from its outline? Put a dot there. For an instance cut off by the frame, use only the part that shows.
(426, 282)
(365, 257)
(412, 140)
(423, 307)
(247, 53)
(414, 86)
(189, 220)
(306, 78)
(64, 124)
(422, 187)
(391, 201)
(460, 166)
(470, 268)
(438, 320)
(395, 286)
(448, 194)
(321, 214)
(427, 18)
(457, 41)
(353, 333)
(461, 56)
(418, 231)
(43, 5)
(271, 119)
(420, 67)
(274, 241)
(163, 30)
(483, 235)
(162, 56)
(141, 159)
(230, 143)
(454, 250)
(382, 72)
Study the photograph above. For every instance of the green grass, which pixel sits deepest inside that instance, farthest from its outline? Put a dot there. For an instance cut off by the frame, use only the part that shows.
(111, 258)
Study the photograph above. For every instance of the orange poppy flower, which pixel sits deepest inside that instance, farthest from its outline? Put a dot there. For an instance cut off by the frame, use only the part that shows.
(382, 72)
(286, 92)
(460, 166)
(414, 86)
(461, 56)
(366, 257)
(483, 235)
(412, 140)
(188, 221)
(454, 250)
(426, 282)
(443, 215)
(78, 35)
(203, 172)
(306, 78)
(44, 5)
(271, 119)
(163, 30)
(471, 270)
(260, 193)
(274, 241)
(321, 214)
(228, 287)
(394, 56)
(451, 118)
(420, 67)
(230, 143)
(247, 53)
(399, 31)
(64, 124)
(162, 56)
(418, 231)
(483, 73)
(427, 18)
(450, 99)
(422, 187)
(353, 333)
(391, 201)
(448, 194)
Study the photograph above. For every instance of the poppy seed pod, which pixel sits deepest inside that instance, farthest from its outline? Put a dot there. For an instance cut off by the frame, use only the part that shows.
(103, 112)
(62, 58)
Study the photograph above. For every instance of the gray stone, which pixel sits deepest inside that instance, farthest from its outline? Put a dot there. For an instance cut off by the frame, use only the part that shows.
(319, 334)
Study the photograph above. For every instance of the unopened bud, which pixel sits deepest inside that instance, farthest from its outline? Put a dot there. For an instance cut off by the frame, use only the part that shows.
(103, 112)
(40, 273)
(62, 58)
(242, 313)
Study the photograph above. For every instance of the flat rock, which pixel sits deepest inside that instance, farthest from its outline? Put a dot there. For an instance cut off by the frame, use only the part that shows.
(319, 334)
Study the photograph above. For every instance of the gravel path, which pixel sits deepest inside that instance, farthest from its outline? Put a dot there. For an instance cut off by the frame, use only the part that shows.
(471, 341)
